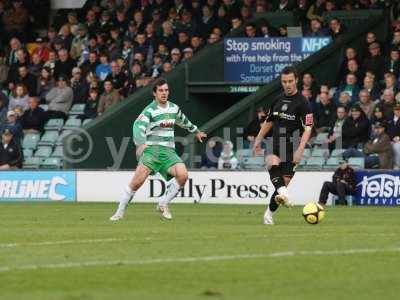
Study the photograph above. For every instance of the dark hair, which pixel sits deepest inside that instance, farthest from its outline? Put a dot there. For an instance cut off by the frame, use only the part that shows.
(290, 70)
(159, 82)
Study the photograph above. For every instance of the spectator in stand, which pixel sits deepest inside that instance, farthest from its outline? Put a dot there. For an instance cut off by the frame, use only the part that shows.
(187, 54)
(344, 100)
(103, 69)
(92, 103)
(253, 128)
(109, 98)
(59, 99)
(283, 5)
(41, 49)
(45, 83)
(387, 104)
(353, 68)
(365, 103)
(168, 36)
(19, 97)
(350, 54)
(308, 83)
(214, 38)
(79, 44)
(316, 29)
(250, 30)
(343, 184)
(90, 65)
(10, 151)
(166, 67)
(372, 88)
(390, 83)
(335, 133)
(370, 39)
(324, 113)
(51, 63)
(395, 42)
(33, 119)
(316, 10)
(336, 29)
(13, 73)
(355, 130)
(209, 159)
(175, 57)
(378, 115)
(207, 21)
(392, 63)
(375, 61)
(27, 79)
(3, 108)
(378, 150)
(227, 159)
(350, 86)
(223, 20)
(117, 77)
(36, 65)
(79, 86)
(13, 125)
(66, 37)
(64, 64)
(394, 134)
(15, 20)
(196, 43)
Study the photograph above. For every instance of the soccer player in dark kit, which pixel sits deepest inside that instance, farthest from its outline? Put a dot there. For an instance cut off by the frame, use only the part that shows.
(291, 121)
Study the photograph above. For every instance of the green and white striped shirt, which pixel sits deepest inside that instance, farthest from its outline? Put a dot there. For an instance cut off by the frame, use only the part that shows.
(155, 125)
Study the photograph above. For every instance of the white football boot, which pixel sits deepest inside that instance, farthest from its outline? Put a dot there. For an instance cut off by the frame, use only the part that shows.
(117, 216)
(164, 212)
(268, 220)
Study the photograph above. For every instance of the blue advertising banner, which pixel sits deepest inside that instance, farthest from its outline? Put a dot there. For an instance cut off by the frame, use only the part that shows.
(38, 186)
(378, 188)
(260, 60)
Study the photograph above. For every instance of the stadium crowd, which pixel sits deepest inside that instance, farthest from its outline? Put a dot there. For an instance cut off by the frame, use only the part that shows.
(99, 55)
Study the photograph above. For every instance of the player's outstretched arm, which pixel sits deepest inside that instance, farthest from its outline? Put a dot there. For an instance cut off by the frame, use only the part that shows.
(265, 128)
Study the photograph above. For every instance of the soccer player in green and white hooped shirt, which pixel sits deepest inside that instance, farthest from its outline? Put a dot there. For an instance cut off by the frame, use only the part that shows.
(153, 134)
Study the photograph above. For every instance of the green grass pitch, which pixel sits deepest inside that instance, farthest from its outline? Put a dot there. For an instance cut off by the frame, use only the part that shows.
(72, 252)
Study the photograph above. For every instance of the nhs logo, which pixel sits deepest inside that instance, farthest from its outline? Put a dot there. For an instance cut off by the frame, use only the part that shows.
(378, 189)
(311, 45)
(37, 186)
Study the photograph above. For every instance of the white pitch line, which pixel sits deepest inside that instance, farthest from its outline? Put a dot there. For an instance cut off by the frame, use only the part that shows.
(154, 238)
(64, 242)
(193, 259)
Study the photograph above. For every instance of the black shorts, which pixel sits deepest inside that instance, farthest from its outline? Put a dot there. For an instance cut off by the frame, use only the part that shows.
(288, 168)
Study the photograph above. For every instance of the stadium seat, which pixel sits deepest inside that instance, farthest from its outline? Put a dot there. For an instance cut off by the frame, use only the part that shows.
(54, 124)
(51, 163)
(72, 123)
(32, 163)
(356, 162)
(86, 121)
(49, 138)
(307, 152)
(44, 106)
(27, 152)
(320, 152)
(332, 163)
(349, 199)
(321, 138)
(242, 153)
(58, 152)
(62, 135)
(337, 152)
(315, 163)
(77, 109)
(43, 151)
(30, 141)
(253, 163)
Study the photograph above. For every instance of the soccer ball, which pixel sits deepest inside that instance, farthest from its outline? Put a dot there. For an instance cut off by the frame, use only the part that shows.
(313, 213)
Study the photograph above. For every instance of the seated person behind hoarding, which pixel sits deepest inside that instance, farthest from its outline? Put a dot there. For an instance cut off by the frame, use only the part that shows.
(394, 134)
(335, 133)
(379, 149)
(33, 119)
(343, 183)
(209, 159)
(109, 98)
(59, 99)
(252, 130)
(153, 134)
(365, 103)
(10, 151)
(227, 159)
(13, 125)
(355, 129)
(324, 113)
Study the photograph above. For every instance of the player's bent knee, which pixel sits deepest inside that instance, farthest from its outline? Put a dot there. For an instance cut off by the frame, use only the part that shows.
(272, 160)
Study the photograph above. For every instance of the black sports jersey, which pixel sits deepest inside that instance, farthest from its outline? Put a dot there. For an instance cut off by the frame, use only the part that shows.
(289, 115)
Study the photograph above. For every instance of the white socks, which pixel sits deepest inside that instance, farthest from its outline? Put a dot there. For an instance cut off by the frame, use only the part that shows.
(172, 190)
(126, 197)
